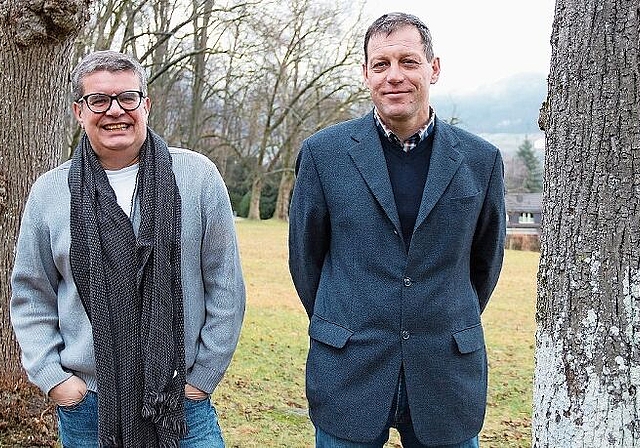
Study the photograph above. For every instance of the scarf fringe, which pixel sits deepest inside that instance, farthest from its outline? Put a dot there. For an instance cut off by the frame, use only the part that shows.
(160, 408)
(110, 442)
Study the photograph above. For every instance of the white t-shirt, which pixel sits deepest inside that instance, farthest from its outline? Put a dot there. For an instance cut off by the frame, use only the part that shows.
(123, 182)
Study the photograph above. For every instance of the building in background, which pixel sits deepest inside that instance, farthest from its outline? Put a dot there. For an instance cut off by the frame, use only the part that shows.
(524, 215)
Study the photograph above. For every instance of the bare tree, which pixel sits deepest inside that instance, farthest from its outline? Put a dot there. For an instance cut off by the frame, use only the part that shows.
(222, 124)
(305, 51)
(587, 375)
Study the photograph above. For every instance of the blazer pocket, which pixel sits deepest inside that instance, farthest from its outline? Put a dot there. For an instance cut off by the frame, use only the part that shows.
(470, 339)
(328, 333)
(466, 197)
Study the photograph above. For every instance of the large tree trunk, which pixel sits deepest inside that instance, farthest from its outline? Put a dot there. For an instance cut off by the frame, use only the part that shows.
(35, 48)
(587, 375)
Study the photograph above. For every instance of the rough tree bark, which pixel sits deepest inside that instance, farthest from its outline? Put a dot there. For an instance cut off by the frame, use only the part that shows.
(587, 374)
(36, 38)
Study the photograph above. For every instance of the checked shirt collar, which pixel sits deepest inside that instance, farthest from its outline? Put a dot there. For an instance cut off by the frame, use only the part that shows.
(412, 141)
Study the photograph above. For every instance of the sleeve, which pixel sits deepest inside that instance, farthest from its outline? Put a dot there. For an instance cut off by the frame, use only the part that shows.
(224, 289)
(34, 301)
(309, 230)
(487, 251)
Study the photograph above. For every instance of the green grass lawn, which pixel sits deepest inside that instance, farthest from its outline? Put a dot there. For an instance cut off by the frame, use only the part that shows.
(261, 400)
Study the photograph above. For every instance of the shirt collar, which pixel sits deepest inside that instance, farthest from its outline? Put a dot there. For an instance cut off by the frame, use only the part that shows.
(412, 141)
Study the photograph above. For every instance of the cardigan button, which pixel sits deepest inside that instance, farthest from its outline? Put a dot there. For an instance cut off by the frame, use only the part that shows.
(407, 281)
(404, 334)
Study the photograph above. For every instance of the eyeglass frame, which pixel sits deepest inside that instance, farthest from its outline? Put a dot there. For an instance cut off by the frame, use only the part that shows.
(111, 98)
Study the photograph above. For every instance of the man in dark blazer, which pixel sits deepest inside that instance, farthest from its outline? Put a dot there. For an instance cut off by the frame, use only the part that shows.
(397, 228)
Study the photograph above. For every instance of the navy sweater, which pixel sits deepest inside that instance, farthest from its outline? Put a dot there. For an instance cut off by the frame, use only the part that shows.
(408, 174)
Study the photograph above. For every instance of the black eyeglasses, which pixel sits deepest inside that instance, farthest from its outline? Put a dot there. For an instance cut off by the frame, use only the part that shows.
(99, 103)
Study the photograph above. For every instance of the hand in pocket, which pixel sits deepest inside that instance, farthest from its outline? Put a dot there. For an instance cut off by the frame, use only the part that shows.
(69, 392)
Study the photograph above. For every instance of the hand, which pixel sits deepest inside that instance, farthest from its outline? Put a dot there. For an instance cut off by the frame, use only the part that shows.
(71, 391)
(193, 393)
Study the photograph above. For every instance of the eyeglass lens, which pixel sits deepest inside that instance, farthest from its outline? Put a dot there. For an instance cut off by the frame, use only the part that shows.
(128, 100)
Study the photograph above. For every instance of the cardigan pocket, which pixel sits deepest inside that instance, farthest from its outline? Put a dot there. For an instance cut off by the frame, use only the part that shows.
(328, 333)
(470, 339)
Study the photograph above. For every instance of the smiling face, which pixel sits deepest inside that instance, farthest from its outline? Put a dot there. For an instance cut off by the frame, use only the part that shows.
(398, 76)
(115, 135)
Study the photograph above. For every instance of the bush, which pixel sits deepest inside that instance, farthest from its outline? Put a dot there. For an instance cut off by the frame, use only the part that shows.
(267, 204)
(529, 243)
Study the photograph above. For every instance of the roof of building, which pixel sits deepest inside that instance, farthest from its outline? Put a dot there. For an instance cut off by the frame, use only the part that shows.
(523, 202)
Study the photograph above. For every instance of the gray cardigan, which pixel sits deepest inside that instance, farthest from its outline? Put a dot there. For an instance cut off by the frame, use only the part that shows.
(47, 315)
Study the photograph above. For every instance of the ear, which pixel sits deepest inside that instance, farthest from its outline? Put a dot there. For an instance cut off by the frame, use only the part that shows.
(435, 66)
(365, 74)
(77, 113)
(146, 105)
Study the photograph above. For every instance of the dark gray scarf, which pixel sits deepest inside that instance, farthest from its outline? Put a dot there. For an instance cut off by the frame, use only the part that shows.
(131, 290)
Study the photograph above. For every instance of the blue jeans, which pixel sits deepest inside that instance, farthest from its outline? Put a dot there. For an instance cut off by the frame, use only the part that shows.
(78, 424)
(399, 418)
(325, 440)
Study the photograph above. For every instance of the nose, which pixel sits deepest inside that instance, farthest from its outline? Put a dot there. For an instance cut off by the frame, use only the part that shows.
(394, 73)
(115, 108)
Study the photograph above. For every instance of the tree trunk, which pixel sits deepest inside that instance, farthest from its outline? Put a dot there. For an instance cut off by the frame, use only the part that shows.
(160, 82)
(286, 182)
(199, 67)
(587, 374)
(284, 196)
(254, 203)
(35, 49)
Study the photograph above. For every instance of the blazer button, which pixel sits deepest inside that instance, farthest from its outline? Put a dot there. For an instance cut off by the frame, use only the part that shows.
(406, 281)
(404, 334)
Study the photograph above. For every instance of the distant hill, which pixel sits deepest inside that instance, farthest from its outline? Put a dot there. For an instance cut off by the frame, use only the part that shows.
(510, 106)
(509, 143)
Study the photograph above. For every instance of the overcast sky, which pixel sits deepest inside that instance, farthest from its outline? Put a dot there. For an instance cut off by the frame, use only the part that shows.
(481, 41)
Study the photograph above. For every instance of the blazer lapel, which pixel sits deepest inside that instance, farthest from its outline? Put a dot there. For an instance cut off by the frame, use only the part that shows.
(368, 156)
(445, 160)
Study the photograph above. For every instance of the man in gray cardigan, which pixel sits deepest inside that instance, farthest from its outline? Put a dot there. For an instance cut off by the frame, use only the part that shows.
(127, 291)
(397, 227)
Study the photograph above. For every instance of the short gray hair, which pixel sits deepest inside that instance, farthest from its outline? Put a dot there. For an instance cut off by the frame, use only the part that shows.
(388, 23)
(106, 60)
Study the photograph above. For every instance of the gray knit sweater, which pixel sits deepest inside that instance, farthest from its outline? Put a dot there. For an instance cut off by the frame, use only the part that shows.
(47, 315)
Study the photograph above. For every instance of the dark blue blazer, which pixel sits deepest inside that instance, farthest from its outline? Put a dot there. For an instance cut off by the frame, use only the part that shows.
(373, 305)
